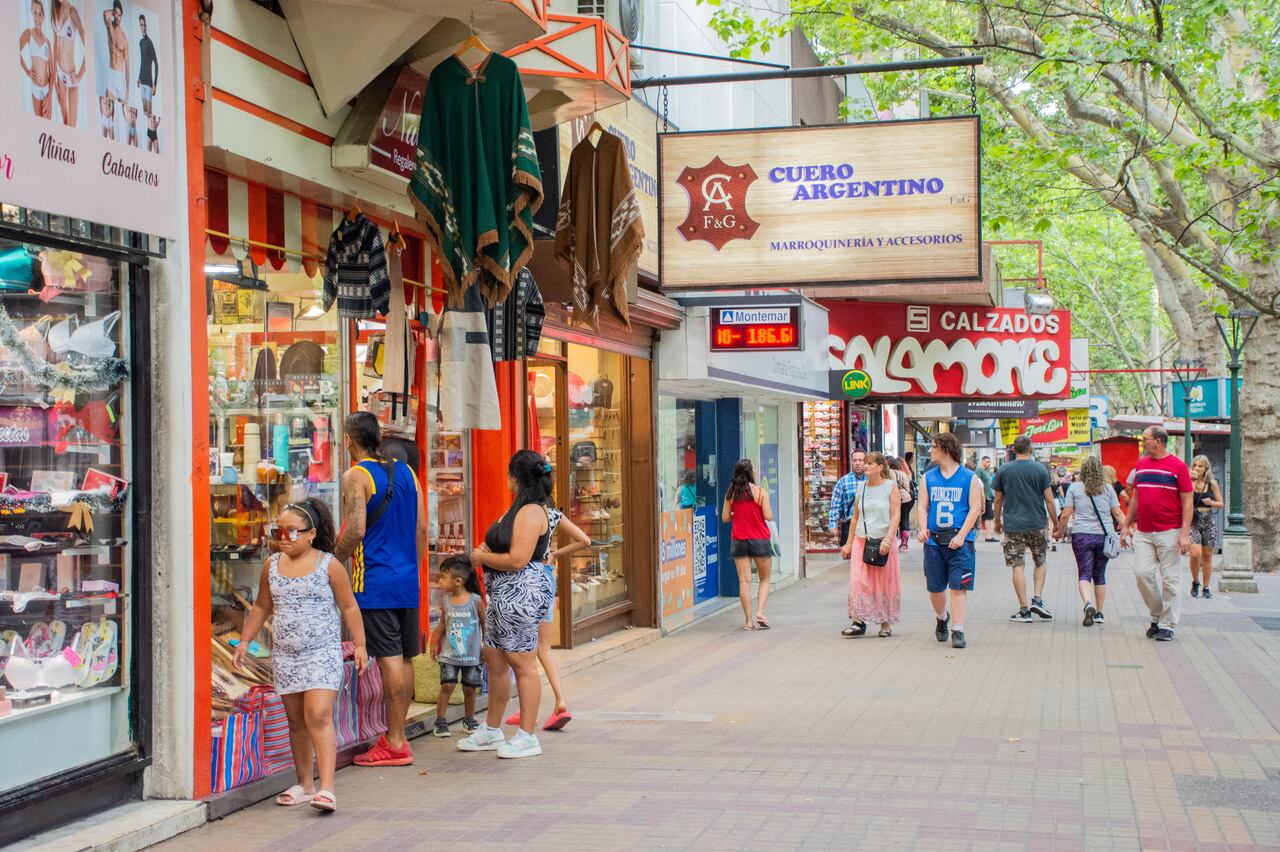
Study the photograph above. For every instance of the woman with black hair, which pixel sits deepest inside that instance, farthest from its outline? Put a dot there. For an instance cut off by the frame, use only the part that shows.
(746, 506)
(306, 589)
(520, 594)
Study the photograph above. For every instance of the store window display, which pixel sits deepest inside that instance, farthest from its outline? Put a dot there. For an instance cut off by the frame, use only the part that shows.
(597, 469)
(275, 391)
(821, 471)
(66, 571)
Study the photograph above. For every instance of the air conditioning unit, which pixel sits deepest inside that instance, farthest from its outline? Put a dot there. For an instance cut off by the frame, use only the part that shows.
(626, 16)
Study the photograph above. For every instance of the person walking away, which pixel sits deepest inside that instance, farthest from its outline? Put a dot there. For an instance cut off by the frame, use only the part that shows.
(1097, 514)
(521, 591)
(578, 540)
(842, 496)
(875, 591)
(1205, 497)
(309, 595)
(1024, 509)
(1159, 523)
(950, 506)
(384, 534)
(987, 476)
(746, 506)
(455, 645)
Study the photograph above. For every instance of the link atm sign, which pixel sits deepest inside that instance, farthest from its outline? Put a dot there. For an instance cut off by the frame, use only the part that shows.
(951, 351)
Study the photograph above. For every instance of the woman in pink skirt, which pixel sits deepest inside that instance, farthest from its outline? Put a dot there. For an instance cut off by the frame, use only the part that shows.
(875, 591)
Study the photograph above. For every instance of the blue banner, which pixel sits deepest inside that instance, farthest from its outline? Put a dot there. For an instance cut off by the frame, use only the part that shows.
(706, 554)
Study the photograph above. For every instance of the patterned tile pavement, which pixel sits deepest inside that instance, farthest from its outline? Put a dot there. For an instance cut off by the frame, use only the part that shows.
(1037, 736)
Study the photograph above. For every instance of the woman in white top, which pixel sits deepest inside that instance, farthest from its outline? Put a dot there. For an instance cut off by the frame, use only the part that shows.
(1092, 503)
(875, 591)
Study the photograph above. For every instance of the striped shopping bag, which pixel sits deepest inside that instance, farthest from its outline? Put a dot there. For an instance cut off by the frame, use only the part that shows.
(372, 710)
(277, 753)
(237, 751)
(346, 714)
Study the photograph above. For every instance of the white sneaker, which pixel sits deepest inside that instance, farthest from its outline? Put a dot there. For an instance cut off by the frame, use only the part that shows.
(484, 739)
(521, 745)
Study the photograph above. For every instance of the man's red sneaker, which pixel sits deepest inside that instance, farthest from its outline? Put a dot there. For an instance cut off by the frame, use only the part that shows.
(382, 754)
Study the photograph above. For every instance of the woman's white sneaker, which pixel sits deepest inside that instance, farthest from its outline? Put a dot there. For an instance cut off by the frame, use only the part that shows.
(484, 739)
(521, 745)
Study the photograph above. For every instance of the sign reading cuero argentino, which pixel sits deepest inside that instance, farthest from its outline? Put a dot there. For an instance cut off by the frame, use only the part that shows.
(854, 203)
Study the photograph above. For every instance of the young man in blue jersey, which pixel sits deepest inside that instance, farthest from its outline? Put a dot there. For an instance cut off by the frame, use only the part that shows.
(384, 534)
(952, 500)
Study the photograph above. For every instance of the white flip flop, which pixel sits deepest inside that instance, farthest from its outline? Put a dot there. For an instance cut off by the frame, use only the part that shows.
(326, 806)
(295, 795)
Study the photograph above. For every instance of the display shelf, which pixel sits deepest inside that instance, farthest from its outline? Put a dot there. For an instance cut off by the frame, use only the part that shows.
(66, 698)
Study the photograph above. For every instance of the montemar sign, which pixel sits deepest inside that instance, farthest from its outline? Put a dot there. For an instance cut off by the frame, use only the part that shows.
(956, 352)
(850, 203)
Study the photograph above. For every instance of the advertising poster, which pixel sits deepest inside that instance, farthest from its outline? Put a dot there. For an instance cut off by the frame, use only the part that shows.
(706, 554)
(849, 203)
(676, 567)
(957, 352)
(86, 91)
(1069, 426)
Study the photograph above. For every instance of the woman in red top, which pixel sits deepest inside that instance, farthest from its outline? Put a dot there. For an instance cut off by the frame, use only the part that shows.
(747, 507)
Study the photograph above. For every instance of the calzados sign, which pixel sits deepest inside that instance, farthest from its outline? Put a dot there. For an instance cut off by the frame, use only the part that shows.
(948, 351)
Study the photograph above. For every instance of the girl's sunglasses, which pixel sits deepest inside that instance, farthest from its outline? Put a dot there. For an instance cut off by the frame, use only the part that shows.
(280, 533)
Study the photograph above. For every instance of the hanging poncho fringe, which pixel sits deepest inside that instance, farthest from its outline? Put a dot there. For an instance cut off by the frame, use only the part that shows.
(105, 373)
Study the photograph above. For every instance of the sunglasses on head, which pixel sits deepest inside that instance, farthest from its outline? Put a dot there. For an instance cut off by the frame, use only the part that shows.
(280, 533)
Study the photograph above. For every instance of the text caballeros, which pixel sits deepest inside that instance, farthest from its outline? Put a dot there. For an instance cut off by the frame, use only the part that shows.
(128, 171)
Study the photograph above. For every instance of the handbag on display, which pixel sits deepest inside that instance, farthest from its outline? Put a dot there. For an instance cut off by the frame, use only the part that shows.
(871, 554)
(1110, 541)
(236, 755)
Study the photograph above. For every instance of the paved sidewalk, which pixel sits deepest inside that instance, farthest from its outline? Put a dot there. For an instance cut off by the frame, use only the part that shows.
(1037, 736)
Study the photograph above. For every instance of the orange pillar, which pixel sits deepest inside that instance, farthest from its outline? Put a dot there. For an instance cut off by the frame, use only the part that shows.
(492, 449)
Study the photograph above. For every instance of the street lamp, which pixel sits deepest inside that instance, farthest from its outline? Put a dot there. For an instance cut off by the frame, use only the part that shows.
(1237, 546)
(1187, 370)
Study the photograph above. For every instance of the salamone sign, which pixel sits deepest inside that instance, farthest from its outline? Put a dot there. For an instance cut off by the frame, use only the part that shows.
(849, 203)
(952, 351)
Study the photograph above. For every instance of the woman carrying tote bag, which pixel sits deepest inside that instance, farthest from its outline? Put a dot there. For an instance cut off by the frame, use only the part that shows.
(875, 589)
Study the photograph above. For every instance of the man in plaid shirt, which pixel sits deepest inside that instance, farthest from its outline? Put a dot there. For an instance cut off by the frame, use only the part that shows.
(843, 495)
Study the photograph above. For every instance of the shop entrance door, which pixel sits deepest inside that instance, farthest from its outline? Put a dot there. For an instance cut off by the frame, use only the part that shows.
(548, 428)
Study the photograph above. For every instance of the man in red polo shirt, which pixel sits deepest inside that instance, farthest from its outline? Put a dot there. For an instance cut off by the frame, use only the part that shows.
(1162, 506)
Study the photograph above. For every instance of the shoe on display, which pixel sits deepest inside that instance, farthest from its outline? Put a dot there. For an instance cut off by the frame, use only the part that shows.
(1038, 608)
(1023, 615)
(940, 629)
(957, 639)
(1153, 630)
(521, 745)
(1195, 590)
(484, 739)
(441, 729)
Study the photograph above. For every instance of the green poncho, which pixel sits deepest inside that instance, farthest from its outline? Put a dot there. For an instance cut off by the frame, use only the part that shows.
(476, 182)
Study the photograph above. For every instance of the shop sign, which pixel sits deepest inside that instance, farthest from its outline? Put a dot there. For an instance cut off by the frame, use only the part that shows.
(82, 137)
(676, 567)
(737, 329)
(1209, 399)
(637, 126)
(1068, 426)
(393, 146)
(851, 203)
(706, 554)
(1100, 411)
(948, 351)
(855, 384)
(970, 409)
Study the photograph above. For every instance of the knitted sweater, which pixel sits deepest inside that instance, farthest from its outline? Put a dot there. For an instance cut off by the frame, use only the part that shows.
(355, 270)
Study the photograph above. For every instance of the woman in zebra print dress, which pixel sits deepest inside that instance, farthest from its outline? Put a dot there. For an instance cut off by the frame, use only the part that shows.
(520, 594)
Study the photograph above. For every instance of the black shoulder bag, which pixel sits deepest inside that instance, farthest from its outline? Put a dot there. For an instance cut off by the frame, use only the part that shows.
(871, 554)
(390, 468)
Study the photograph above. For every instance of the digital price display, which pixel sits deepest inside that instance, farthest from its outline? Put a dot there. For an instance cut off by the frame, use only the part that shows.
(755, 329)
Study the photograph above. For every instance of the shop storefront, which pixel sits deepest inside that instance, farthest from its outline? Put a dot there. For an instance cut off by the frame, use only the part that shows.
(719, 404)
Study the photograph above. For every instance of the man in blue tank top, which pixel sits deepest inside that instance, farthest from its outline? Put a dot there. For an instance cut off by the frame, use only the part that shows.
(952, 501)
(384, 534)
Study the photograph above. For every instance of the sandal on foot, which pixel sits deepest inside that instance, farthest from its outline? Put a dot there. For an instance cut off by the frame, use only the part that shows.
(885, 634)
(558, 720)
(748, 627)
(762, 623)
(295, 795)
(324, 800)
(853, 630)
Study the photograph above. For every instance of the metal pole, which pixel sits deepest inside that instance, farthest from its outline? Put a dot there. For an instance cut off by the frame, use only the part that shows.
(1235, 517)
(801, 73)
(1186, 414)
(708, 56)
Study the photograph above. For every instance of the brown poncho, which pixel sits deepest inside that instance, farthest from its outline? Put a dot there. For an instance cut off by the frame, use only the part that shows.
(599, 233)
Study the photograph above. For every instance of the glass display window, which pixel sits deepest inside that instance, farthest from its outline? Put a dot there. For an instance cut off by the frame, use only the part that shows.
(596, 469)
(274, 408)
(822, 429)
(66, 562)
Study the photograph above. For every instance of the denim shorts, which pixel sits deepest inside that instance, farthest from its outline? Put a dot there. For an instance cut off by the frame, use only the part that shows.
(551, 611)
(755, 548)
(945, 568)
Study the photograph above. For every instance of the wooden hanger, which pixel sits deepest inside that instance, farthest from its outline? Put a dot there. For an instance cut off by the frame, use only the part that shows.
(595, 125)
(354, 212)
(396, 239)
(472, 41)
